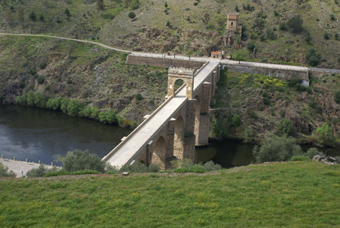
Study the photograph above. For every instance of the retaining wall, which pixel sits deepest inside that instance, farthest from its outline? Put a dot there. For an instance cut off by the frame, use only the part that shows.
(271, 71)
(162, 62)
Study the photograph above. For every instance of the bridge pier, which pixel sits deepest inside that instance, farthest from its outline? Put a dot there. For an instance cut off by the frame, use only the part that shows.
(189, 128)
(203, 132)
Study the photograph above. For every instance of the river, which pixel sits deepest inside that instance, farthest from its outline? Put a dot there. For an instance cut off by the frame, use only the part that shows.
(37, 134)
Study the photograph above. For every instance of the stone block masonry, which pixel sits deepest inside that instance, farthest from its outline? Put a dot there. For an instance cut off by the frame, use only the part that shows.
(163, 62)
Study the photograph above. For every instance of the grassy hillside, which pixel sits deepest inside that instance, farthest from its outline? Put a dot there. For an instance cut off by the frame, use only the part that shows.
(194, 29)
(260, 102)
(292, 194)
(94, 75)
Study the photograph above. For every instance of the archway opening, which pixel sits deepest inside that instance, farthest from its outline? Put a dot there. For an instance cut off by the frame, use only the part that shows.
(178, 83)
(159, 153)
(232, 23)
(197, 118)
(179, 138)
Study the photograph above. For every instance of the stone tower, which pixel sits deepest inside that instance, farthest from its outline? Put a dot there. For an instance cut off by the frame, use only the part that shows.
(232, 21)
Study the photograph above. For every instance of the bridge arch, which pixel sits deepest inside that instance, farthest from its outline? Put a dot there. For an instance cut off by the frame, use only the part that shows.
(187, 75)
(159, 153)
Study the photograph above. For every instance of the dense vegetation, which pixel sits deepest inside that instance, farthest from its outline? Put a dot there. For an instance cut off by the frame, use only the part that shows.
(254, 196)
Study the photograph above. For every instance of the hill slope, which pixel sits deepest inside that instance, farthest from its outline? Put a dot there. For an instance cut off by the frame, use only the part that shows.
(293, 194)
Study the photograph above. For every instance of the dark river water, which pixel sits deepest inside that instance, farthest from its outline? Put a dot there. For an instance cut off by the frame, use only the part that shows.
(38, 134)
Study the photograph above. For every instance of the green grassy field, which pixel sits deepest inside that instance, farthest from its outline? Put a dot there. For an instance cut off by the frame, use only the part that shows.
(292, 194)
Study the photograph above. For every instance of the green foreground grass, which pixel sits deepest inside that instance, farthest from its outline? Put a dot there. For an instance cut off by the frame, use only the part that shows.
(292, 194)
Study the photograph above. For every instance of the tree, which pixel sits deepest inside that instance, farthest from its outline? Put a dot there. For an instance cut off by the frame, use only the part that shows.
(308, 37)
(325, 134)
(285, 126)
(337, 97)
(276, 149)
(332, 17)
(132, 15)
(41, 18)
(74, 107)
(336, 35)
(206, 18)
(270, 34)
(81, 160)
(167, 24)
(295, 24)
(166, 5)
(4, 171)
(100, 4)
(240, 55)
(313, 58)
(236, 120)
(283, 26)
(67, 12)
(326, 35)
(237, 9)
(32, 16)
(250, 46)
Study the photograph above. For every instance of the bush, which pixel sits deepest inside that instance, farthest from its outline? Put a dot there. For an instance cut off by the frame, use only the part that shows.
(54, 103)
(40, 79)
(283, 26)
(240, 55)
(332, 17)
(81, 160)
(40, 100)
(285, 126)
(308, 37)
(139, 97)
(325, 134)
(64, 104)
(337, 97)
(295, 24)
(263, 37)
(266, 101)
(299, 158)
(276, 149)
(326, 35)
(250, 46)
(236, 120)
(313, 58)
(276, 13)
(74, 107)
(210, 166)
(64, 172)
(132, 15)
(40, 172)
(4, 172)
(42, 65)
(32, 16)
(270, 34)
(195, 3)
(311, 152)
(221, 128)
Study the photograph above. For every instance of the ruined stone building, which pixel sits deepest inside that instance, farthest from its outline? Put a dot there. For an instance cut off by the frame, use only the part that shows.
(232, 27)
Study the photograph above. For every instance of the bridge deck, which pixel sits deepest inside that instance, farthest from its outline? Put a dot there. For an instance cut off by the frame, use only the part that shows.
(131, 147)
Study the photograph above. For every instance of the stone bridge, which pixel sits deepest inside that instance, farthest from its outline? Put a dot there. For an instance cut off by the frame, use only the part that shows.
(176, 126)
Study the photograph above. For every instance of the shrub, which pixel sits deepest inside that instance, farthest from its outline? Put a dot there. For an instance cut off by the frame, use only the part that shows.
(40, 100)
(326, 35)
(236, 120)
(132, 15)
(111, 117)
(240, 55)
(332, 17)
(64, 104)
(266, 101)
(69, 81)
(283, 26)
(30, 98)
(221, 128)
(237, 9)
(299, 158)
(337, 97)
(32, 16)
(276, 149)
(263, 37)
(40, 172)
(285, 126)
(81, 160)
(42, 65)
(250, 46)
(195, 3)
(74, 107)
(139, 97)
(308, 37)
(336, 36)
(4, 172)
(295, 24)
(325, 134)
(270, 34)
(311, 152)
(166, 5)
(47, 87)
(21, 99)
(40, 79)
(276, 13)
(210, 166)
(313, 58)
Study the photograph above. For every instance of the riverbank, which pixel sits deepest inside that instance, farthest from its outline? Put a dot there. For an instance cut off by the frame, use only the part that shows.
(286, 194)
(20, 168)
